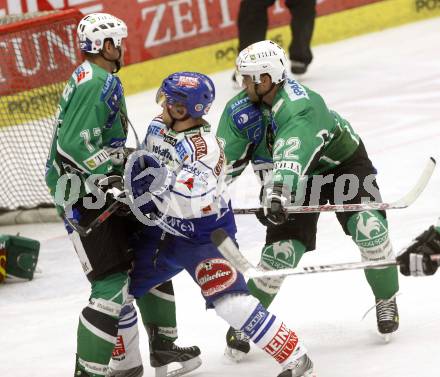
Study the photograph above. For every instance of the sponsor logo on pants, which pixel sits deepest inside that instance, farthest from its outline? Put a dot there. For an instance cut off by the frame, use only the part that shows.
(215, 275)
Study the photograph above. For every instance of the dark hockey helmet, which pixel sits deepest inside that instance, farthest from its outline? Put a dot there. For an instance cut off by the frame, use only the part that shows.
(193, 90)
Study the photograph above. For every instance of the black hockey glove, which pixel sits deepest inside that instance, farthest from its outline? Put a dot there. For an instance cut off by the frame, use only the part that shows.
(415, 260)
(274, 205)
(113, 187)
(261, 216)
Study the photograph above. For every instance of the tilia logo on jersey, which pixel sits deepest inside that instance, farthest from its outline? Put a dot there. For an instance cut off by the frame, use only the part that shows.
(97, 159)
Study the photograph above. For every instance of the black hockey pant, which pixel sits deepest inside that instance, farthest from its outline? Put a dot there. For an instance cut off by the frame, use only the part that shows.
(253, 23)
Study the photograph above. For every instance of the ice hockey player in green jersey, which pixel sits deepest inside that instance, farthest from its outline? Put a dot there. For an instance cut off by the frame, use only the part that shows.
(87, 154)
(304, 154)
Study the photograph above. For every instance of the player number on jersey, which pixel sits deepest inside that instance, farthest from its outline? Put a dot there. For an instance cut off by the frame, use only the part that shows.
(285, 150)
(85, 135)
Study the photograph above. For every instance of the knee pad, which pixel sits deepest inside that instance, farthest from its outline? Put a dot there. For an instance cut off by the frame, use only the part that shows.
(101, 316)
(236, 308)
(369, 230)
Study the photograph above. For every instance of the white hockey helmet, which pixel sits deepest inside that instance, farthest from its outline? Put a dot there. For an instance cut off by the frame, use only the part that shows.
(263, 57)
(94, 28)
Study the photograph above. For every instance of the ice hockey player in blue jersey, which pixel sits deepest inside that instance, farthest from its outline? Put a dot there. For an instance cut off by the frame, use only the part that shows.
(178, 191)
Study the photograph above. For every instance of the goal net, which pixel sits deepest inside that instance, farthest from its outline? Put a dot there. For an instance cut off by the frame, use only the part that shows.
(39, 52)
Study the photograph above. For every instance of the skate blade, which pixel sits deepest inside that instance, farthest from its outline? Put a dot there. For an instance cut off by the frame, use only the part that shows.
(234, 355)
(185, 367)
(386, 337)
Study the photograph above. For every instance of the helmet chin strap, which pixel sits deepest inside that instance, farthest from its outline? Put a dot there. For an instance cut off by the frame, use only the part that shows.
(116, 62)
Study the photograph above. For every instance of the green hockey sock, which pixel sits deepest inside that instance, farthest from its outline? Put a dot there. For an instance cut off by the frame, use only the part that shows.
(275, 256)
(369, 230)
(98, 324)
(159, 308)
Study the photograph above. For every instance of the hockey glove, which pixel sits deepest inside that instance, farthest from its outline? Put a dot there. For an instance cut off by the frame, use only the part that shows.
(113, 188)
(112, 184)
(148, 175)
(274, 204)
(415, 260)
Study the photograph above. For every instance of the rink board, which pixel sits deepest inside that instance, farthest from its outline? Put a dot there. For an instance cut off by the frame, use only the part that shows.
(329, 28)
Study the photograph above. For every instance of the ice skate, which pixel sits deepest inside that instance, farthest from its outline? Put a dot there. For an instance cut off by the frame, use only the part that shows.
(303, 367)
(237, 345)
(387, 317)
(298, 68)
(164, 352)
(133, 372)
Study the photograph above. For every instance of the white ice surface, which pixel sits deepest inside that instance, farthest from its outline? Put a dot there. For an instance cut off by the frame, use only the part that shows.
(388, 85)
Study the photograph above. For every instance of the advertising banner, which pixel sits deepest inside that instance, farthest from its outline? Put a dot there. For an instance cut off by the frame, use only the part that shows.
(159, 28)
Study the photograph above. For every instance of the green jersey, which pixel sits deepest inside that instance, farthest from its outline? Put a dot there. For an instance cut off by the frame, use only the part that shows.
(299, 134)
(241, 131)
(91, 131)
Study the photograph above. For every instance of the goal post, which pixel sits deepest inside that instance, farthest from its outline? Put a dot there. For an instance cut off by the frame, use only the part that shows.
(39, 53)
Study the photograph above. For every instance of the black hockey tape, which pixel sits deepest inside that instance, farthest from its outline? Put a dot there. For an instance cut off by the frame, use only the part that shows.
(218, 236)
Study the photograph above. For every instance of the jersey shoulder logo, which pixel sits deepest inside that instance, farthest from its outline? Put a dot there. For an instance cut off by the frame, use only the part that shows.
(200, 146)
(82, 74)
(295, 90)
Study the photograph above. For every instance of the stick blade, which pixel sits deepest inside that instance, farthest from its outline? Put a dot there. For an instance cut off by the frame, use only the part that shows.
(230, 251)
(420, 186)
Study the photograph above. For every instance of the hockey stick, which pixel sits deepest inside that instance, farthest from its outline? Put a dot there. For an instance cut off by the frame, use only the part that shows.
(231, 252)
(403, 202)
(84, 231)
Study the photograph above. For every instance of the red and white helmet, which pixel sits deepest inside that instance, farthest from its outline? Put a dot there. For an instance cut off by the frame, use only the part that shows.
(94, 28)
(263, 57)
